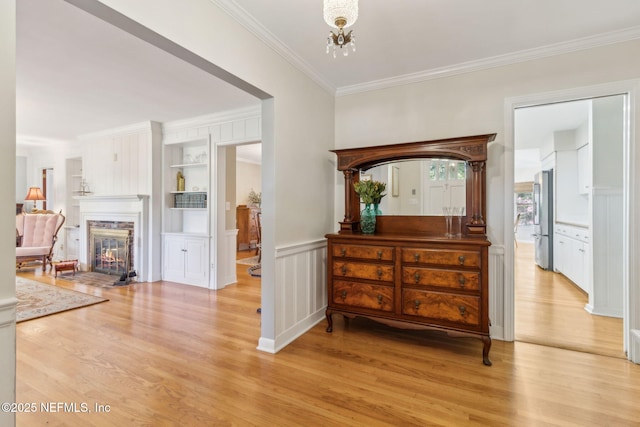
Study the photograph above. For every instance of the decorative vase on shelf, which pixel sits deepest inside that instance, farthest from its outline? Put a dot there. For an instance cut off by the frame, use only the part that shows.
(376, 208)
(368, 219)
(180, 181)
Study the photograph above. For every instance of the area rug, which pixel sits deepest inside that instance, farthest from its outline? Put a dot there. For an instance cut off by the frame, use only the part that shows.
(36, 299)
(98, 280)
(255, 271)
(253, 260)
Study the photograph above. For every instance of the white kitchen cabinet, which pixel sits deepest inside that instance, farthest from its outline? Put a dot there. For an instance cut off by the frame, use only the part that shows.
(185, 259)
(584, 170)
(571, 254)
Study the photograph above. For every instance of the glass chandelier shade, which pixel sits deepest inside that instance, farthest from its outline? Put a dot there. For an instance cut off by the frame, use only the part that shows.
(340, 14)
(336, 9)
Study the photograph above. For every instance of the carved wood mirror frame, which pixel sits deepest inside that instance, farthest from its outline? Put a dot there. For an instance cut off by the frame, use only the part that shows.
(471, 149)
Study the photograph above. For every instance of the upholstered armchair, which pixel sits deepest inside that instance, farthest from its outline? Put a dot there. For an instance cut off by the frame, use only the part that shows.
(36, 235)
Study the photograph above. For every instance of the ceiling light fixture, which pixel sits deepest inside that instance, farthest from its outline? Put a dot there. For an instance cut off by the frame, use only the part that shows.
(341, 14)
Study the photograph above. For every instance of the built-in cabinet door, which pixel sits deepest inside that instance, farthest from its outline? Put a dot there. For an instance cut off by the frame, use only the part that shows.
(571, 256)
(185, 260)
(173, 259)
(584, 170)
(195, 265)
(559, 253)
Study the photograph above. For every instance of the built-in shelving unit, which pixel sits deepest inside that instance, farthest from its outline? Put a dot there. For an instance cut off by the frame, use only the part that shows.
(186, 222)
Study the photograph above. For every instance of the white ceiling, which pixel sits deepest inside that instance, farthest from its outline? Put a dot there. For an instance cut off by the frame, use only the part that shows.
(534, 126)
(428, 37)
(77, 74)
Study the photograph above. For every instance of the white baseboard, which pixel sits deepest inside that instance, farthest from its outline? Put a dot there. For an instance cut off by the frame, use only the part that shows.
(8, 311)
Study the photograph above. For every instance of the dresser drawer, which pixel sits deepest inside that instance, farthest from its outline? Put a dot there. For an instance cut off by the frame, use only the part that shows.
(379, 253)
(362, 270)
(363, 295)
(452, 279)
(441, 306)
(460, 258)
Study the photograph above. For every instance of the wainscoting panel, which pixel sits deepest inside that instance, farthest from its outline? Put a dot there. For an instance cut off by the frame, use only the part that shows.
(496, 291)
(607, 246)
(301, 296)
(226, 261)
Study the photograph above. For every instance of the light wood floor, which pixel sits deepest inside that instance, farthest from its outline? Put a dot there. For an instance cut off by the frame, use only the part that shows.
(163, 354)
(549, 310)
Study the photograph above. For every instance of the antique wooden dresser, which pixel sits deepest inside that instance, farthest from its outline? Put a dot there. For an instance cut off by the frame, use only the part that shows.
(411, 273)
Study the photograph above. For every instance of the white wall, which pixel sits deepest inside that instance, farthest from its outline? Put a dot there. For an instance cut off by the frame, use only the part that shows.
(527, 163)
(21, 178)
(470, 104)
(7, 216)
(248, 177)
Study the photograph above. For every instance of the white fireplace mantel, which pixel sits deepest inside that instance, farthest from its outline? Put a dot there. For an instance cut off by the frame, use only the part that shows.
(121, 208)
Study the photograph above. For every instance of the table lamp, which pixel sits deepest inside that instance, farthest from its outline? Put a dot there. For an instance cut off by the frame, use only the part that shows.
(35, 194)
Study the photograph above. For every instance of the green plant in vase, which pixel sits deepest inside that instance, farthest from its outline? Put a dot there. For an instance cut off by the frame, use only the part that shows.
(370, 192)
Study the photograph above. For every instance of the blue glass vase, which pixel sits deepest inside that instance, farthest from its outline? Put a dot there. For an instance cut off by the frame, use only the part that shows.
(368, 219)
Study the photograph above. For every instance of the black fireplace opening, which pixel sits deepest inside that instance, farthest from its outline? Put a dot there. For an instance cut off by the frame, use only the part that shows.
(110, 251)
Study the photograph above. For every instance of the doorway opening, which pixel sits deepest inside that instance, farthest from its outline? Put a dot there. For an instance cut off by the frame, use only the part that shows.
(248, 197)
(569, 186)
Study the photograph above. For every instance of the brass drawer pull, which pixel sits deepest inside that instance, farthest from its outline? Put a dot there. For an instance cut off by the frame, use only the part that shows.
(344, 295)
(417, 304)
(462, 310)
(379, 272)
(379, 299)
(461, 280)
(416, 276)
(416, 256)
(343, 252)
(344, 270)
(461, 259)
(380, 254)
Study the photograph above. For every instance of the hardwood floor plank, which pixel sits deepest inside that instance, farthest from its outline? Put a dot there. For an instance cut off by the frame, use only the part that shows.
(549, 310)
(165, 354)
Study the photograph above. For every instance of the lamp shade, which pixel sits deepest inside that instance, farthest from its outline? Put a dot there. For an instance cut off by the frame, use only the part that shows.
(35, 193)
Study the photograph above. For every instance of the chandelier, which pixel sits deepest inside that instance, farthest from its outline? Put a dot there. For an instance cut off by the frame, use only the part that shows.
(341, 14)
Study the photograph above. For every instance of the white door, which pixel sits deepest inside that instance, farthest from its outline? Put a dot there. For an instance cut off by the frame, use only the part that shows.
(444, 185)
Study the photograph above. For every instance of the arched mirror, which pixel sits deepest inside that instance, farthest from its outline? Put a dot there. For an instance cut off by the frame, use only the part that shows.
(421, 179)
(421, 186)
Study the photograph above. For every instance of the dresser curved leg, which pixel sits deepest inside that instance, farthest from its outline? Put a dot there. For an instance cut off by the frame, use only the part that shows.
(486, 340)
(330, 321)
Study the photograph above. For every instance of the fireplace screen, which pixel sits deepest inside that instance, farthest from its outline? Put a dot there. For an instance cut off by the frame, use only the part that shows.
(110, 251)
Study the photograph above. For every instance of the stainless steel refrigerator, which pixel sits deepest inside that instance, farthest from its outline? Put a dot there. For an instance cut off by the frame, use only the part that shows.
(543, 218)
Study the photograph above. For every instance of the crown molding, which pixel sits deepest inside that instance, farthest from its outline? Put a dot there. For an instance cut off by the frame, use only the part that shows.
(256, 28)
(38, 141)
(496, 61)
(118, 131)
(213, 119)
